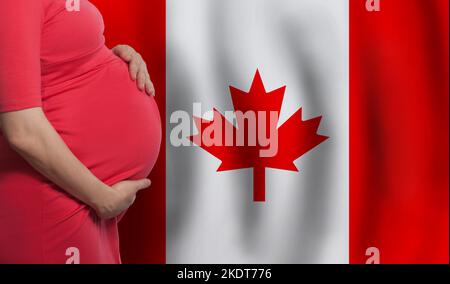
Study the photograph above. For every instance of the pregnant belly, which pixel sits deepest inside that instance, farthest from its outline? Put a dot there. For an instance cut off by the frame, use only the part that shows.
(111, 126)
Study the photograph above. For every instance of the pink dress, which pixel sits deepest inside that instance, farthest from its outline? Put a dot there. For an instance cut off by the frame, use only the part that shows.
(57, 60)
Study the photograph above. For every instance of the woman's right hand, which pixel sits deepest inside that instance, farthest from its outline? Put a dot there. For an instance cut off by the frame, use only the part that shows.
(119, 197)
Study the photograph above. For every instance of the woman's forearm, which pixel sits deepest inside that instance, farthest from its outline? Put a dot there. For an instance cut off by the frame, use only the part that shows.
(32, 136)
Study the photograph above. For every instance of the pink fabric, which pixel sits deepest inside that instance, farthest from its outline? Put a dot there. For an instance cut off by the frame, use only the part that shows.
(57, 59)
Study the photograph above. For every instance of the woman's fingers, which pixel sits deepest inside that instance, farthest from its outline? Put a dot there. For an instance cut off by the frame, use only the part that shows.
(129, 55)
(149, 87)
(148, 84)
(136, 65)
(142, 79)
(121, 197)
(134, 69)
(131, 187)
(137, 68)
(142, 184)
(144, 82)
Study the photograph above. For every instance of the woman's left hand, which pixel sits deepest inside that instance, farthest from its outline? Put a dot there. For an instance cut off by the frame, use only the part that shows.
(137, 67)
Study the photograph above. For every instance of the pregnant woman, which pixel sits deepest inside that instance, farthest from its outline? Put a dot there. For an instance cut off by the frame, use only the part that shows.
(77, 135)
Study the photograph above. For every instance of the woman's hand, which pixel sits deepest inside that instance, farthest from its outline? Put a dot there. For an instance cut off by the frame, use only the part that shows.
(119, 198)
(137, 67)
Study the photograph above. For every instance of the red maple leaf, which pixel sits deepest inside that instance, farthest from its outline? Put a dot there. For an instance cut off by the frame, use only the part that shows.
(295, 136)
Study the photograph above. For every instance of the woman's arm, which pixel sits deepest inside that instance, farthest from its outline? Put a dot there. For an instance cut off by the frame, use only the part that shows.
(31, 135)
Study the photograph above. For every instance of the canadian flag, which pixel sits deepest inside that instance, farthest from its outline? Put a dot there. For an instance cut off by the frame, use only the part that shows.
(361, 93)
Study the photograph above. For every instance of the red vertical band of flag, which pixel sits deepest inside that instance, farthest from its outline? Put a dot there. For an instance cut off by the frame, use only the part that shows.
(399, 131)
(141, 24)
